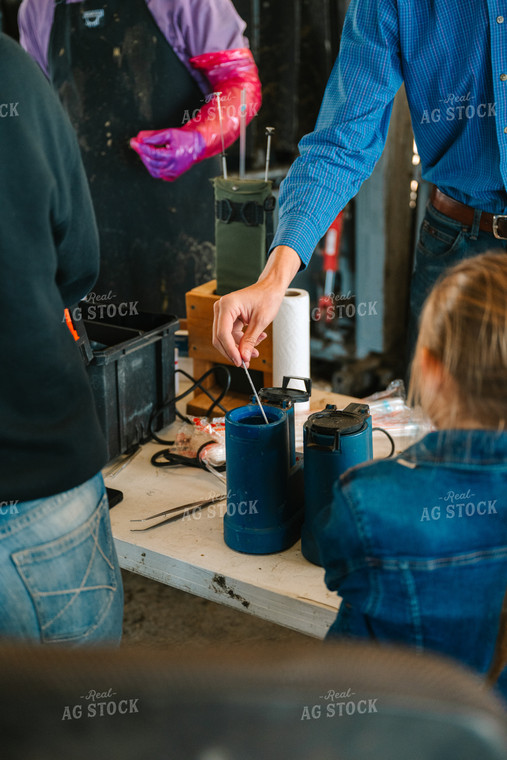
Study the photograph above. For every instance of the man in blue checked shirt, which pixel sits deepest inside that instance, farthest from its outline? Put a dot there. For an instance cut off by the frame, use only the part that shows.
(452, 58)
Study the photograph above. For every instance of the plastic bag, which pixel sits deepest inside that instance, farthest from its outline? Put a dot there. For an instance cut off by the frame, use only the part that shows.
(390, 411)
(203, 438)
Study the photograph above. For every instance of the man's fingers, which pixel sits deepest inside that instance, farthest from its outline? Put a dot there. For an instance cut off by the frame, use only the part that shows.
(237, 329)
(223, 333)
(253, 335)
(254, 352)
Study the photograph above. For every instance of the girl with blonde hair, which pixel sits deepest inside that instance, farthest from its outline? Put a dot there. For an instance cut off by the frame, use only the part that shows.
(416, 546)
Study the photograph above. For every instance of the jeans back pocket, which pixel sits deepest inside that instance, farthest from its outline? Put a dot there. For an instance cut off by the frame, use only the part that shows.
(72, 580)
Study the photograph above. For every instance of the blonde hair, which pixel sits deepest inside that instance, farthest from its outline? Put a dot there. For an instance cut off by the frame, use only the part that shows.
(464, 326)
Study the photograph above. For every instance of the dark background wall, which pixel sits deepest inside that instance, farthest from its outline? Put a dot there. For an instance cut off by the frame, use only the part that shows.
(294, 43)
(9, 11)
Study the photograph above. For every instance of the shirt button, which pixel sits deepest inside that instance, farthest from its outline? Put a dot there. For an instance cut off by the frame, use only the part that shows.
(499, 19)
(503, 77)
(505, 130)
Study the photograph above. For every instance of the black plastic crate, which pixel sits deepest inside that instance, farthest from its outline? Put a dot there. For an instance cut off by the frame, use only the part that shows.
(132, 374)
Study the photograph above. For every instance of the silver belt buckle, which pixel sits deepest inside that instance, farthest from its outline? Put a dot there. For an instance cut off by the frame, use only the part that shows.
(496, 217)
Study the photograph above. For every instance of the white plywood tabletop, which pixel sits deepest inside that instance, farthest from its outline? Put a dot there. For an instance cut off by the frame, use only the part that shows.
(190, 554)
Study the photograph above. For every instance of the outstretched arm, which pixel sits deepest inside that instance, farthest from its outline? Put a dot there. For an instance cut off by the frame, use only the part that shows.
(335, 159)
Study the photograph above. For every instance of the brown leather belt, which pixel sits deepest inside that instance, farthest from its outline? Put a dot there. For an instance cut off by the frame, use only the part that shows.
(495, 224)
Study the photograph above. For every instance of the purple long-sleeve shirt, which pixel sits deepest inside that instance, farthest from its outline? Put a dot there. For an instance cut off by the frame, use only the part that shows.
(191, 27)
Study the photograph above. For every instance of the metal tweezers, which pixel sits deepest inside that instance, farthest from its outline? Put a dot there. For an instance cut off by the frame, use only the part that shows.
(187, 508)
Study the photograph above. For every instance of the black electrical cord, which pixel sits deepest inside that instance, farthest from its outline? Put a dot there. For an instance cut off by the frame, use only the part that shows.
(195, 384)
(172, 460)
(393, 446)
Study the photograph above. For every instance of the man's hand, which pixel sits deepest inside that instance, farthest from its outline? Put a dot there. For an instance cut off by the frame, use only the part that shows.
(251, 309)
(241, 317)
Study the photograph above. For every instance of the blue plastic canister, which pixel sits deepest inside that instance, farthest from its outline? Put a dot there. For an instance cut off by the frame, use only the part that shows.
(261, 516)
(334, 440)
(285, 398)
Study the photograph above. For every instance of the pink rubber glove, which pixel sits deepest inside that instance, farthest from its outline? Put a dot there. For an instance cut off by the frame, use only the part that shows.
(167, 153)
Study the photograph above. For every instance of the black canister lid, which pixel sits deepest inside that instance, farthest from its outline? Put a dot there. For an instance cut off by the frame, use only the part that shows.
(277, 396)
(332, 421)
(287, 396)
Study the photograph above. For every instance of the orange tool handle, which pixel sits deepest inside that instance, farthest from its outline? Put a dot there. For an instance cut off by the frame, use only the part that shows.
(71, 327)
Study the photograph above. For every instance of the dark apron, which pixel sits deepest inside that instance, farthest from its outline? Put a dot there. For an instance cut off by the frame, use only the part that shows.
(116, 74)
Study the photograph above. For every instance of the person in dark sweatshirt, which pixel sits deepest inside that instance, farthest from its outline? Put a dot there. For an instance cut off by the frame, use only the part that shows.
(59, 576)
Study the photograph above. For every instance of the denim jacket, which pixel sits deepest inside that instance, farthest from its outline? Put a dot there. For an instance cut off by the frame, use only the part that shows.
(417, 546)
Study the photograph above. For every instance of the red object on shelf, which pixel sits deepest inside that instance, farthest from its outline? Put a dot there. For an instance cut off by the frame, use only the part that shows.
(332, 245)
(331, 263)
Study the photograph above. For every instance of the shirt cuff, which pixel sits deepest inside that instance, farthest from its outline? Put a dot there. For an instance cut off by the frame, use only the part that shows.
(298, 232)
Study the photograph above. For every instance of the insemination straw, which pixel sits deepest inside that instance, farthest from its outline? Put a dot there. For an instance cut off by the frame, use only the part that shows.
(242, 135)
(219, 107)
(256, 394)
(269, 132)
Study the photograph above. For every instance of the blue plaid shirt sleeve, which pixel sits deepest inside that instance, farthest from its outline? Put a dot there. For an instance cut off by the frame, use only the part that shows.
(351, 129)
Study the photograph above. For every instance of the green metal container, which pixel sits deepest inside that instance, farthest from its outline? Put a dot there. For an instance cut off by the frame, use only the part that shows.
(243, 230)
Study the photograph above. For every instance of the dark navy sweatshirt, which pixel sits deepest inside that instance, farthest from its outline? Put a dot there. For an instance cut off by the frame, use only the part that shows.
(50, 436)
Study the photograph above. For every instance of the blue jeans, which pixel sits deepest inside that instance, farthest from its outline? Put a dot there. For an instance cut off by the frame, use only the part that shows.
(60, 582)
(443, 242)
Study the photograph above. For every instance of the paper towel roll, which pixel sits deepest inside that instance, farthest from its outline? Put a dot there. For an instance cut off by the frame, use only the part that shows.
(291, 340)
